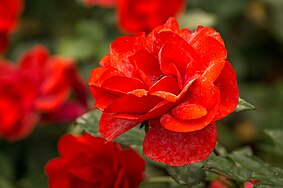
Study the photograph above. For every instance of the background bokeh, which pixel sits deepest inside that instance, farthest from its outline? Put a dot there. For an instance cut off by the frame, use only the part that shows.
(251, 29)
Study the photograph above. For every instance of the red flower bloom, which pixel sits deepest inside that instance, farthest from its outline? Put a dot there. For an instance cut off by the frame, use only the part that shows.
(144, 15)
(178, 80)
(87, 162)
(101, 3)
(55, 78)
(9, 13)
(17, 94)
(39, 84)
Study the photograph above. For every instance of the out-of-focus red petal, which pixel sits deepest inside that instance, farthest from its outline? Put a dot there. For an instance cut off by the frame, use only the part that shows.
(24, 128)
(178, 149)
(88, 173)
(77, 83)
(51, 102)
(9, 13)
(66, 146)
(187, 111)
(135, 175)
(111, 127)
(120, 51)
(57, 173)
(132, 104)
(147, 66)
(4, 40)
(122, 85)
(121, 181)
(66, 112)
(228, 87)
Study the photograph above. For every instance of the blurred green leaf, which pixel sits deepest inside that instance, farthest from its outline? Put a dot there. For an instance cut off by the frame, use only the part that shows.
(197, 17)
(4, 183)
(269, 176)
(6, 171)
(242, 166)
(244, 106)
(276, 135)
(89, 123)
(190, 175)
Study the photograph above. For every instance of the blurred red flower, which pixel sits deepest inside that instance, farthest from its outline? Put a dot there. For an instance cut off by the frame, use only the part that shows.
(144, 15)
(88, 162)
(56, 78)
(17, 95)
(38, 87)
(9, 13)
(177, 79)
(140, 15)
(101, 3)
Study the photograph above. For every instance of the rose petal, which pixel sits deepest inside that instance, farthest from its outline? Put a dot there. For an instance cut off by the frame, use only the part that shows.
(135, 175)
(132, 104)
(120, 51)
(203, 92)
(103, 98)
(100, 74)
(57, 174)
(111, 127)
(158, 110)
(67, 112)
(147, 66)
(178, 52)
(165, 88)
(175, 124)
(122, 85)
(187, 111)
(202, 32)
(177, 149)
(228, 87)
(155, 112)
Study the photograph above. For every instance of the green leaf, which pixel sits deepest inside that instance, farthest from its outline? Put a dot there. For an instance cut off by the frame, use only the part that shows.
(89, 123)
(5, 184)
(244, 106)
(276, 135)
(269, 176)
(242, 166)
(191, 175)
(6, 171)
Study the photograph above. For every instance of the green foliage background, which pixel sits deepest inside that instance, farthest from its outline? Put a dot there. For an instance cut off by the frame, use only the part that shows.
(252, 30)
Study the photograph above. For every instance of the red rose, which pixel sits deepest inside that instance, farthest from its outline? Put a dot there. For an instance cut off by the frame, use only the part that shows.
(39, 85)
(88, 162)
(56, 78)
(177, 79)
(101, 3)
(144, 15)
(9, 13)
(17, 94)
